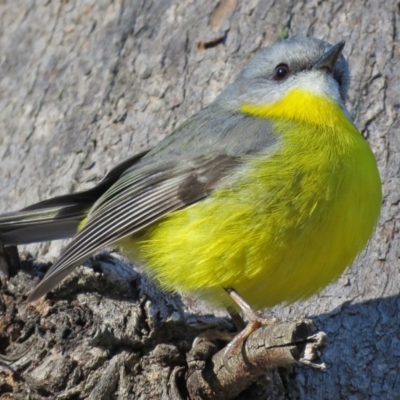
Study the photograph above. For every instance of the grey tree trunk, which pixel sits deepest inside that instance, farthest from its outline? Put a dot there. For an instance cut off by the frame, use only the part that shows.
(85, 84)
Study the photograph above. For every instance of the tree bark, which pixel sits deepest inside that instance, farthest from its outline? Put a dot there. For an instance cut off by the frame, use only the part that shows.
(86, 84)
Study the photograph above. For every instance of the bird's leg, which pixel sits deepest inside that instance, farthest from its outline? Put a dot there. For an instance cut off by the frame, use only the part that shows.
(235, 339)
(237, 319)
(254, 322)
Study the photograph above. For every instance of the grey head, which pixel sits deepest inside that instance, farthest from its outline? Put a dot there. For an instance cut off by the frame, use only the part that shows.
(298, 62)
(304, 63)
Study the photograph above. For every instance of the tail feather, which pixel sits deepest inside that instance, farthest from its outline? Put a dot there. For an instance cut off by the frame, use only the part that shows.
(29, 226)
(59, 217)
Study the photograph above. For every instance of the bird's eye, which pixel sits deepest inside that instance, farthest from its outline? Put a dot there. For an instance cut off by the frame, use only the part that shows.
(281, 72)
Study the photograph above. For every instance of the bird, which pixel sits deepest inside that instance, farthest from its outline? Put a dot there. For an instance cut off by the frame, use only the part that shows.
(263, 197)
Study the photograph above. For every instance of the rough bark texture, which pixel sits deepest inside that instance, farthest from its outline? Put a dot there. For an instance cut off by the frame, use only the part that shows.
(84, 84)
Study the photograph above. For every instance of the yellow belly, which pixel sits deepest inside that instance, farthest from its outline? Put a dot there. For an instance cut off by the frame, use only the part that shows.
(290, 223)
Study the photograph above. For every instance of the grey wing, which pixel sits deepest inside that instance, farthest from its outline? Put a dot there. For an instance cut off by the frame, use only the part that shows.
(139, 198)
(219, 130)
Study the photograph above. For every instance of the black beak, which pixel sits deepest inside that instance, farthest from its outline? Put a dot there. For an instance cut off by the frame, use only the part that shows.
(329, 59)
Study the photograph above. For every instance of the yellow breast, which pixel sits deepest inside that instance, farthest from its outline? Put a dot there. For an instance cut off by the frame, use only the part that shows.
(291, 222)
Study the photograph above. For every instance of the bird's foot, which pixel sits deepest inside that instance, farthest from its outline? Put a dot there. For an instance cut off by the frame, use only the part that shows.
(255, 321)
